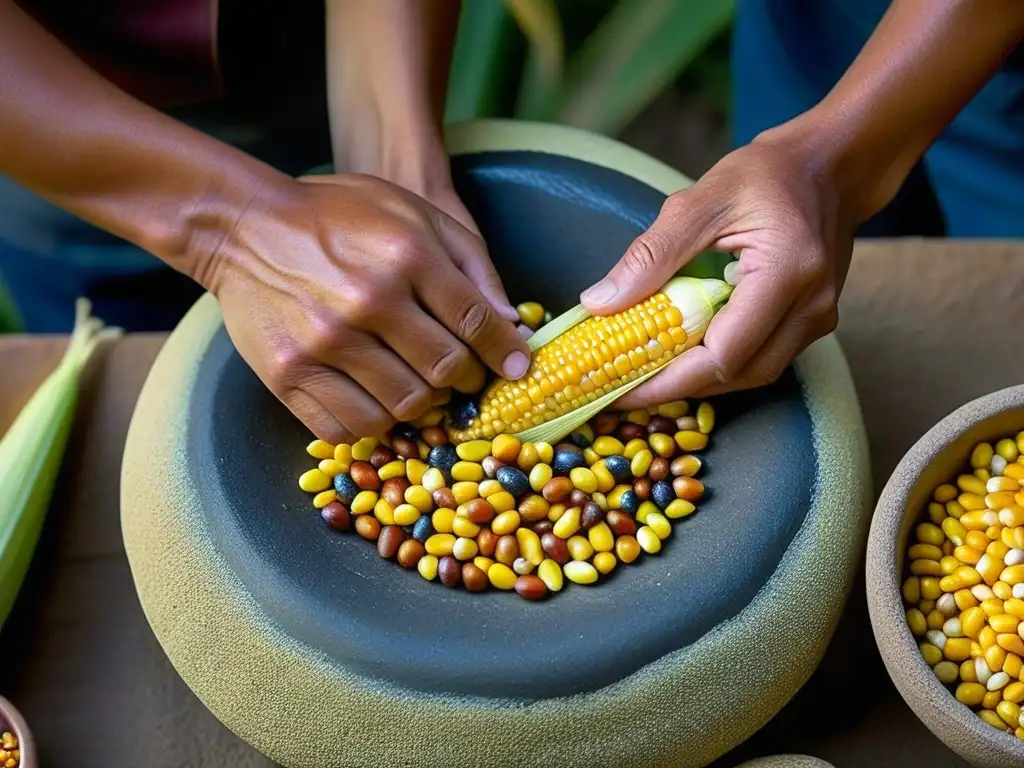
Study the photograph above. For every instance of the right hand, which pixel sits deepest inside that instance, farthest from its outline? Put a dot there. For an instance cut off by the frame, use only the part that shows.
(358, 303)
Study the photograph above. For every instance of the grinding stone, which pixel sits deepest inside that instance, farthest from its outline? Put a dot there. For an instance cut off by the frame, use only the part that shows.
(786, 761)
(319, 653)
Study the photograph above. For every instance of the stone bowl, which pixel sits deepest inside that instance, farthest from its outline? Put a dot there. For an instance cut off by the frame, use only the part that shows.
(11, 720)
(320, 653)
(940, 454)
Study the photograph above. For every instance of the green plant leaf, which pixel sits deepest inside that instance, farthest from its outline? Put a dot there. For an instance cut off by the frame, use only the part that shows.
(486, 62)
(634, 54)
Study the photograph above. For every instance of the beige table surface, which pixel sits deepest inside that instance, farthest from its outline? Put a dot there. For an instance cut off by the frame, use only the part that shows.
(926, 326)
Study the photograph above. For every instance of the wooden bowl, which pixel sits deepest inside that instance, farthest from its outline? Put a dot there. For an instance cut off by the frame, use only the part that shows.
(11, 720)
(320, 653)
(938, 456)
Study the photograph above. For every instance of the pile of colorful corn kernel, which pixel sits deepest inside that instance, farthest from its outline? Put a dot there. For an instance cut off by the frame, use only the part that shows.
(512, 516)
(10, 754)
(965, 591)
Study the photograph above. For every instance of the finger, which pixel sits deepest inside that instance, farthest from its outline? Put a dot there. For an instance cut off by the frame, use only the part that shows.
(684, 228)
(383, 375)
(450, 297)
(347, 402)
(468, 251)
(755, 309)
(433, 352)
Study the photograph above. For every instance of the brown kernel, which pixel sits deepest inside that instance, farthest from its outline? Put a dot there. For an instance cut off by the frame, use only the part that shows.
(406, 448)
(337, 516)
(688, 488)
(507, 550)
(591, 515)
(434, 436)
(533, 508)
(557, 489)
(620, 523)
(578, 498)
(486, 541)
(659, 469)
(627, 549)
(368, 527)
(365, 476)
(686, 465)
(543, 526)
(449, 571)
(393, 490)
(642, 488)
(663, 425)
(474, 578)
(409, 553)
(389, 540)
(381, 455)
(491, 466)
(531, 587)
(605, 423)
(444, 498)
(555, 548)
(478, 511)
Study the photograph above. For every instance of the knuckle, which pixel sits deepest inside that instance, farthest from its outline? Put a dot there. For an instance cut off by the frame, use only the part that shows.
(641, 256)
(412, 404)
(474, 320)
(445, 370)
(284, 367)
(723, 370)
(362, 305)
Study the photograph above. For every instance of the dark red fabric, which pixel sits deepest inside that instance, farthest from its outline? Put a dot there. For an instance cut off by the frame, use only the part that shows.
(161, 51)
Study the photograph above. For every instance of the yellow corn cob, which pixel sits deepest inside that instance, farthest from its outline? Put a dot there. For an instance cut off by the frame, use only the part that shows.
(597, 358)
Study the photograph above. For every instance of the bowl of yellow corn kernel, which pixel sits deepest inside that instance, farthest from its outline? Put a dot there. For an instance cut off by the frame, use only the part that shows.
(945, 569)
(16, 747)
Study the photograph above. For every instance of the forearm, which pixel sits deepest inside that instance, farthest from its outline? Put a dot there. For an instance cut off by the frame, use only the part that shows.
(387, 70)
(80, 142)
(924, 63)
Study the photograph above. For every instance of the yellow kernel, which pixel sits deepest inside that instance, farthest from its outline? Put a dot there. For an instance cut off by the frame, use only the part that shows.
(545, 452)
(502, 501)
(663, 445)
(314, 481)
(414, 470)
(927, 533)
(968, 576)
(930, 589)
(330, 467)
(1014, 692)
(488, 488)
(925, 568)
(419, 497)
(633, 447)
(948, 565)
(464, 548)
(981, 456)
(427, 566)
(568, 523)
(1007, 448)
(528, 457)
(364, 502)
(659, 524)
(972, 621)
(994, 658)
(971, 484)
(465, 528)
(1009, 712)
(954, 510)
(705, 417)
(604, 562)
(678, 508)
(958, 648)
(646, 508)
(467, 471)
(320, 449)
(965, 599)
(993, 606)
(551, 574)
(474, 450)
(936, 512)
(641, 463)
(969, 672)
(1013, 574)
(440, 544)
(1011, 643)
(1003, 622)
(991, 718)
(1012, 665)
(343, 455)
(384, 512)
(946, 671)
(579, 548)
(945, 493)
(395, 468)
(925, 552)
(362, 449)
(580, 572)
(442, 520)
(690, 440)
(407, 514)
(916, 621)
(931, 654)
(483, 563)
(987, 637)
(555, 512)
(641, 417)
(590, 456)
(324, 498)
(1002, 590)
(501, 576)
(992, 698)
(608, 446)
(506, 523)
(583, 479)
(601, 537)
(649, 541)
(539, 476)
(529, 547)
(935, 619)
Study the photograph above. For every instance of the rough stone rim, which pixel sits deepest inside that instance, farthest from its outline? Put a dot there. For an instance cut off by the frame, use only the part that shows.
(822, 559)
(932, 459)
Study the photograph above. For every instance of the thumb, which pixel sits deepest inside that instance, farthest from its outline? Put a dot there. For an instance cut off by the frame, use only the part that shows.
(683, 229)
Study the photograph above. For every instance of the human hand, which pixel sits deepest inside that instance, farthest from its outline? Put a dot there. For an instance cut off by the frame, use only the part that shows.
(357, 303)
(780, 209)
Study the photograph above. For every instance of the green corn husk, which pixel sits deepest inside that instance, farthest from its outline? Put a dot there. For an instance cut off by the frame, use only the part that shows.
(31, 453)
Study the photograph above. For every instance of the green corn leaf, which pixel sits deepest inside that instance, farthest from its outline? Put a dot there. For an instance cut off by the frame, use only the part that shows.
(633, 55)
(486, 62)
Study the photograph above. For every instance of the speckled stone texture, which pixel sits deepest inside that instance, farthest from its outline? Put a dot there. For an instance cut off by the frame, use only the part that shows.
(938, 456)
(302, 708)
(786, 761)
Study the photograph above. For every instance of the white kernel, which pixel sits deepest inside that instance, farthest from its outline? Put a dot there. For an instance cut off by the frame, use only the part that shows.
(936, 638)
(982, 592)
(1014, 557)
(1018, 591)
(997, 465)
(946, 605)
(981, 670)
(522, 566)
(998, 681)
(952, 628)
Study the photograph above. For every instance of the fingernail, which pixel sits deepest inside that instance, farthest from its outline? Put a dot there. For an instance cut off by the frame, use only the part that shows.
(508, 312)
(515, 366)
(601, 293)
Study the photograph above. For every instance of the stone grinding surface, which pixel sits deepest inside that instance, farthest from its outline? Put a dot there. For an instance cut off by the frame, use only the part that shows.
(82, 675)
(249, 672)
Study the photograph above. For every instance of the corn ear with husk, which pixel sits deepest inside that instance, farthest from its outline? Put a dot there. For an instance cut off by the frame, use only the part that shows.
(581, 364)
(31, 452)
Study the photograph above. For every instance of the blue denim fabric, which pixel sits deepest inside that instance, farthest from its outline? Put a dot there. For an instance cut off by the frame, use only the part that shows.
(787, 55)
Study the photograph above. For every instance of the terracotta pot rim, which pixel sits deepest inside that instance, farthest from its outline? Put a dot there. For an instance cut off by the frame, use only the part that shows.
(952, 722)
